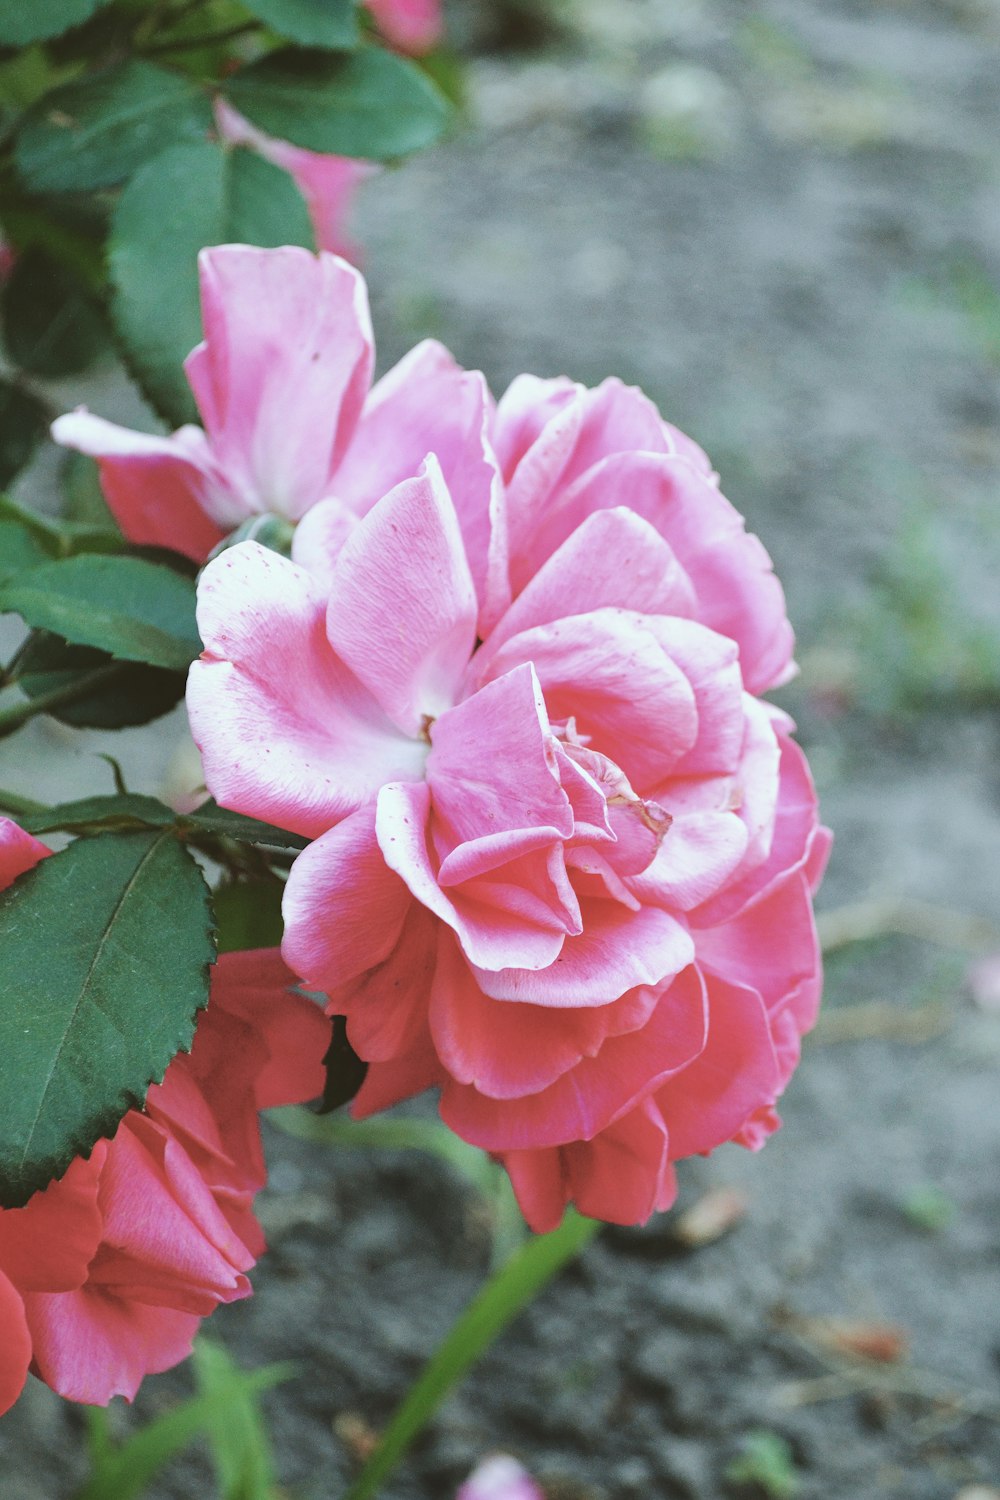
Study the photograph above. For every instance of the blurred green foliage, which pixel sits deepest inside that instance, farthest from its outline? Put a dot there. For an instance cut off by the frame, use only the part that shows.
(108, 137)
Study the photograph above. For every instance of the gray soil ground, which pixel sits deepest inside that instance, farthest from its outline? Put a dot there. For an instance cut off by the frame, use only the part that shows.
(783, 220)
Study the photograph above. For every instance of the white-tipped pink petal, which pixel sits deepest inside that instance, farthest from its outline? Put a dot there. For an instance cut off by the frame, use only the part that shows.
(613, 559)
(283, 372)
(162, 491)
(319, 538)
(429, 404)
(402, 605)
(490, 933)
(286, 732)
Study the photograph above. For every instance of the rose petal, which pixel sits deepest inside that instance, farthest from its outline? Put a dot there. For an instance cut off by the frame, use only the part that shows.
(595, 1093)
(162, 491)
(402, 609)
(286, 732)
(284, 369)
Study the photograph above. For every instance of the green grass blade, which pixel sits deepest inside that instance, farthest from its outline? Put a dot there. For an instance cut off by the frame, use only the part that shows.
(507, 1292)
(123, 1472)
(240, 1448)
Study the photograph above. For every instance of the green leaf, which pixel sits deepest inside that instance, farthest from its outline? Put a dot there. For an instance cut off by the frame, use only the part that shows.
(96, 132)
(311, 23)
(506, 1293)
(131, 811)
(135, 695)
(51, 326)
(239, 1445)
(23, 21)
(20, 550)
(368, 103)
(232, 825)
(766, 1462)
(134, 610)
(124, 1472)
(111, 942)
(207, 196)
(83, 499)
(24, 421)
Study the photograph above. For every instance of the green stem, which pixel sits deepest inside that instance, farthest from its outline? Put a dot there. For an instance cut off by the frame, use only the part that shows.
(505, 1295)
(12, 718)
(21, 807)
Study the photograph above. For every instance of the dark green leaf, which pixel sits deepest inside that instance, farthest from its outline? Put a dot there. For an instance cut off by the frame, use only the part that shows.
(51, 326)
(43, 528)
(345, 1070)
(207, 196)
(248, 913)
(96, 132)
(232, 825)
(368, 103)
(135, 695)
(20, 549)
(134, 610)
(84, 502)
(66, 538)
(23, 423)
(311, 23)
(89, 814)
(110, 944)
(23, 21)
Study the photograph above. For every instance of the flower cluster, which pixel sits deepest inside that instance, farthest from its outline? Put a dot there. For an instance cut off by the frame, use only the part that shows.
(509, 685)
(105, 1276)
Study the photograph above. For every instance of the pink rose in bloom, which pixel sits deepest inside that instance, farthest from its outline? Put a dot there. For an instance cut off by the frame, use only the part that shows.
(413, 26)
(562, 856)
(292, 425)
(327, 183)
(500, 1478)
(107, 1273)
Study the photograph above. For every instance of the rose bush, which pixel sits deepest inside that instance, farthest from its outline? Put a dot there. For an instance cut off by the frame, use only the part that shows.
(107, 1273)
(562, 854)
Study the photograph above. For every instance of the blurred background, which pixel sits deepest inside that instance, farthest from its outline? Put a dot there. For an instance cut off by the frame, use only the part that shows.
(783, 221)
